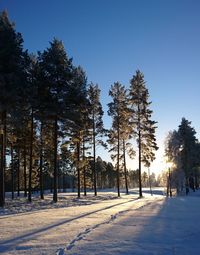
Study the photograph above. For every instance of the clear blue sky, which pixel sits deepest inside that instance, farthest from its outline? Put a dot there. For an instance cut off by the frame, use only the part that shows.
(110, 39)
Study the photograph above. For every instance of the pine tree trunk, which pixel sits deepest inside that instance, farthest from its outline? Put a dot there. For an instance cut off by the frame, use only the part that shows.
(84, 169)
(118, 151)
(140, 175)
(25, 179)
(3, 138)
(2, 187)
(41, 162)
(125, 170)
(31, 160)
(4, 141)
(78, 169)
(94, 158)
(18, 172)
(101, 180)
(12, 171)
(55, 180)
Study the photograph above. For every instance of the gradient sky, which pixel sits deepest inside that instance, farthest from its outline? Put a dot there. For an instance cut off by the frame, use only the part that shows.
(110, 39)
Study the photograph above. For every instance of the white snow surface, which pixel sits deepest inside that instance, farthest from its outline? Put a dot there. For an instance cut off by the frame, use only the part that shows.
(153, 225)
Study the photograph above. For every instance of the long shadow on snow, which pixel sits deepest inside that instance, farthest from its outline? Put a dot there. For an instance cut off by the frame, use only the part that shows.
(8, 244)
(166, 228)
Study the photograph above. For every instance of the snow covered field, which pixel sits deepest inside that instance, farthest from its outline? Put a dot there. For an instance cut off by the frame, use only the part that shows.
(102, 225)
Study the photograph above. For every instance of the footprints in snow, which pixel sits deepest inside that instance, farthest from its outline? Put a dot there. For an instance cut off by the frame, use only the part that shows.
(87, 231)
(83, 234)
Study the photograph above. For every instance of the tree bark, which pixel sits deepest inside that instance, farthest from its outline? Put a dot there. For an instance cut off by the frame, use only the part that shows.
(140, 175)
(118, 151)
(18, 172)
(125, 170)
(4, 141)
(55, 180)
(12, 172)
(31, 160)
(25, 177)
(41, 162)
(3, 138)
(2, 187)
(94, 158)
(84, 169)
(140, 152)
(78, 169)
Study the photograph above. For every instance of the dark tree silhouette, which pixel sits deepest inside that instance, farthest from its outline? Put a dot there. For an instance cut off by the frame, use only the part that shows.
(55, 68)
(11, 79)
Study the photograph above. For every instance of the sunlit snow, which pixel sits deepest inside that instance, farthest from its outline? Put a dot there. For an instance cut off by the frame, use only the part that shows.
(102, 225)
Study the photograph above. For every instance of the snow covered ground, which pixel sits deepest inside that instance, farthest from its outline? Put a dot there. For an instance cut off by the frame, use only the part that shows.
(102, 225)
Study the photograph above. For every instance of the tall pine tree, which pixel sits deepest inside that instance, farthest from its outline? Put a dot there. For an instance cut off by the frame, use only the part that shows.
(143, 126)
(11, 79)
(118, 110)
(188, 143)
(96, 114)
(56, 73)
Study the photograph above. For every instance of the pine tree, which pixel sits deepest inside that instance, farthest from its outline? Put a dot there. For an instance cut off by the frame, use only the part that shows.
(78, 119)
(101, 171)
(196, 168)
(143, 126)
(188, 143)
(118, 110)
(173, 154)
(41, 161)
(127, 148)
(111, 175)
(11, 79)
(96, 114)
(182, 149)
(56, 69)
(30, 93)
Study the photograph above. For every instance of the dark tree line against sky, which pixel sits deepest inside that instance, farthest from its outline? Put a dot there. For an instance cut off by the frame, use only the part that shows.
(51, 120)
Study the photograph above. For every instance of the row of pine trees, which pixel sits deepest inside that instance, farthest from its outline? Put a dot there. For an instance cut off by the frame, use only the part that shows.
(52, 120)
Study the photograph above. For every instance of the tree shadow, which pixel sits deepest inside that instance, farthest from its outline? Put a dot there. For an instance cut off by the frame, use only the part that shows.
(9, 244)
(166, 228)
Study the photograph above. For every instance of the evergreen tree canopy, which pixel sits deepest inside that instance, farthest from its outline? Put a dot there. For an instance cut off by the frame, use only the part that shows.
(188, 143)
(96, 111)
(183, 150)
(55, 78)
(11, 63)
(143, 127)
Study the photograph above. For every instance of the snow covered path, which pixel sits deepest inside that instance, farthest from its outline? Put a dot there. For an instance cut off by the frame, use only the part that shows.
(153, 225)
(162, 227)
